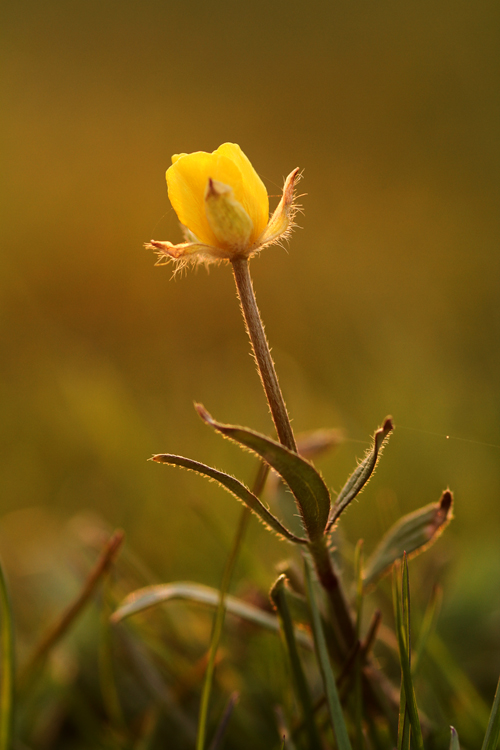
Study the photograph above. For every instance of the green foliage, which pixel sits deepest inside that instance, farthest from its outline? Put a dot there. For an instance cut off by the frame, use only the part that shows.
(361, 474)
(454, 743)
(411, 535)
(493, 731)
(329, 684)
(278, 597)
(236, 488)
(306, 484)
(408, 703)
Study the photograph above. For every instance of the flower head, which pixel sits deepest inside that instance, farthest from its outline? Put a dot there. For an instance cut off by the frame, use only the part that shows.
(223, 207)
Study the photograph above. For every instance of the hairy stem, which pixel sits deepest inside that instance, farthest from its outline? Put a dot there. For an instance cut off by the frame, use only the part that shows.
(319, 550)
(262, 353)
(342, 621)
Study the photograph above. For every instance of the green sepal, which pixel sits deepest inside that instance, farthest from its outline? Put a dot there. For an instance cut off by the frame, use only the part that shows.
(306, 484)
(412, 534)
(236, 488)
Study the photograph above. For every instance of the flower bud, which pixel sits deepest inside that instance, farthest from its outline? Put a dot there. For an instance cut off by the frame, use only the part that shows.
(228, 220)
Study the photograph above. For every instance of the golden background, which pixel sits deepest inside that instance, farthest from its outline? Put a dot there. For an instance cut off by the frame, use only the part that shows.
(386, 301)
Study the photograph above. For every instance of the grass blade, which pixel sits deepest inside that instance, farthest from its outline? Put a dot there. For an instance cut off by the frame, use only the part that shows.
(306, 484)
(493, 731)
(454, 743)
(332, 697)
(7, 656)
(402, 617)
(278, 597)
(403, 723)
(236, 488)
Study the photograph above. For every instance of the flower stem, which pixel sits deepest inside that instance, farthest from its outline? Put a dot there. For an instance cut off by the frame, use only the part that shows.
(262, 353)
(342, 621)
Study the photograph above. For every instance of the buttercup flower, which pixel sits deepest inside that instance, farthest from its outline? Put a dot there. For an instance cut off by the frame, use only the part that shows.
(223, 207)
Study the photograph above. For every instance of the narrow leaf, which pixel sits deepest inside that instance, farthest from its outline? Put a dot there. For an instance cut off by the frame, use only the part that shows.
(151, 596)
(361, 473)
(278, 598)
(403, 723)
(332, 697)
(454, 743)
(7, 666)
(401, 611)
(412, 534)
(236, 488)
(493, 731)
(306, 484)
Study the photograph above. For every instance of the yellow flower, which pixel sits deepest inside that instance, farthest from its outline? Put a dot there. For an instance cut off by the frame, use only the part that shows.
(223, 207)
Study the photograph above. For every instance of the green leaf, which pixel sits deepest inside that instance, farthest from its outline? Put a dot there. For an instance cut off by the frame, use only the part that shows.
(151, 596)
(403, 723)
(236, 488)
(278, 597)
(332, 697)
(402, 617)
(361, 473)
(454, 743)
(411, 534)
(493, 731)
(7, 666)
(306, 484)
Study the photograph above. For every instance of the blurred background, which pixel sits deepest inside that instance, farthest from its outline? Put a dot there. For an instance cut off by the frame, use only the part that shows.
(385, 302)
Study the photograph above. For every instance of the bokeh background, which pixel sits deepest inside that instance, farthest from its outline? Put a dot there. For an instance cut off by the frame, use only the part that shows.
(386, 300)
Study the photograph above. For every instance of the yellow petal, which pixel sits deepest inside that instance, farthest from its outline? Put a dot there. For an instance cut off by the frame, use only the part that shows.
(251, 191)
(187, 179)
